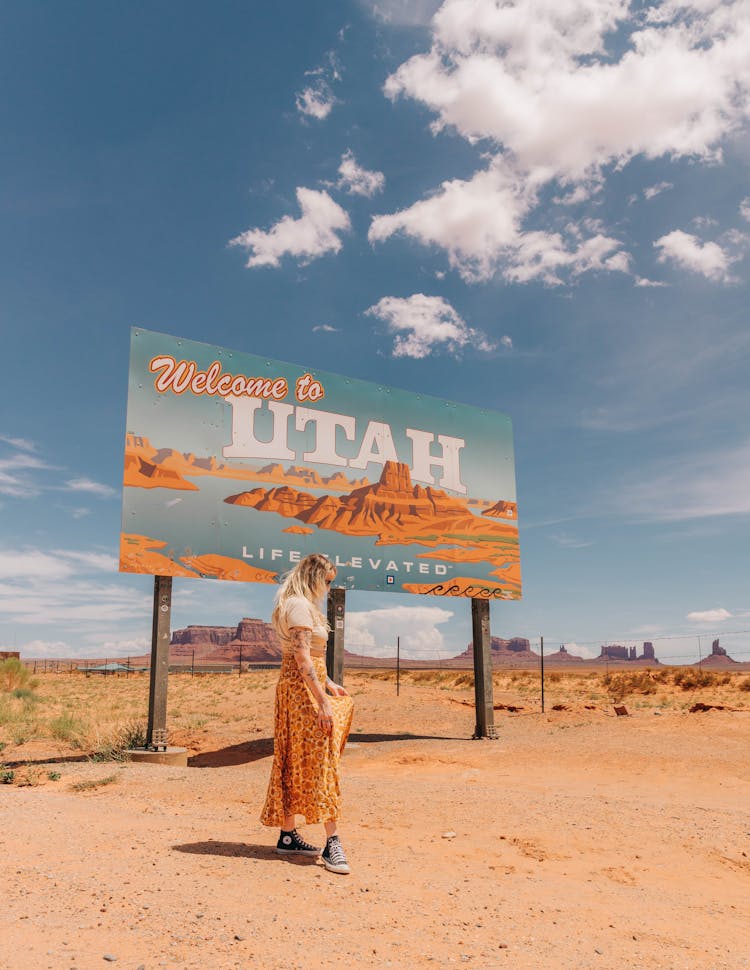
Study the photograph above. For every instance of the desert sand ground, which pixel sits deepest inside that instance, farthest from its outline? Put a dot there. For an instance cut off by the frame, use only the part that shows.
(576, 840)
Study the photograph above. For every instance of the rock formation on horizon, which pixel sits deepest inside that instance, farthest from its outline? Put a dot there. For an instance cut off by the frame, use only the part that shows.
(504, 652)
(252, 638)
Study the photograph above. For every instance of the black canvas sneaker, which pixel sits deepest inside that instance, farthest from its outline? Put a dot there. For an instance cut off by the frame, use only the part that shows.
(334, 858)
(292, 843)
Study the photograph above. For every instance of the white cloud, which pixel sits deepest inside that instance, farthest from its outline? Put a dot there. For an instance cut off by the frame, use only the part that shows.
(653, 190)
(20, 564)
(403, 13)
(314, 234)
(424, 324)
(374, 632)
(90, 487)
(568, 541)
(357, 180)
(315, 101)
(506, 342)
(579, 650)
(325, 328)
(99, 561)
(745, 208)
(479, 224)
(698, 486)
(80, 513)
(15, 478)
(23, 444)
(709, 616)
(544, 88)
(643, 281)
(687, 251)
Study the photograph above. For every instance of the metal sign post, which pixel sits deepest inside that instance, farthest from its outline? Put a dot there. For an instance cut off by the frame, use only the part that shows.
(335, 648)
(156, 734)
(483, 698)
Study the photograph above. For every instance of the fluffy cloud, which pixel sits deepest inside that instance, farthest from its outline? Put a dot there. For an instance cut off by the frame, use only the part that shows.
(479, 224)
(314, 234)
(688, 252)
(709, 616)
(745, 208)
(357, 180)
(374, 632)
(315, 101)
(561, 92)
(423, 324)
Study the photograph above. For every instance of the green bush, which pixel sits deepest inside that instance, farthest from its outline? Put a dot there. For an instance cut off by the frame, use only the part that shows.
(68, 727)
(24, 694)
(14, 674)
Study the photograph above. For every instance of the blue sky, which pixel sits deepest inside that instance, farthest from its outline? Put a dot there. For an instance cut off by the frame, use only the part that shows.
(543, 210)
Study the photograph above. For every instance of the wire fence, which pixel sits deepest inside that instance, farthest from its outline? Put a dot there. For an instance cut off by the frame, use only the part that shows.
(725, 650)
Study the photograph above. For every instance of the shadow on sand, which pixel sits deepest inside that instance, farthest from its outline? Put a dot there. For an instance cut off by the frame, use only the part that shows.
(242, 850)
(249, 751)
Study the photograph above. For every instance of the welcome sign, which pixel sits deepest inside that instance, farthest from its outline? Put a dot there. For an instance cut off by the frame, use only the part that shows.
(237, 466)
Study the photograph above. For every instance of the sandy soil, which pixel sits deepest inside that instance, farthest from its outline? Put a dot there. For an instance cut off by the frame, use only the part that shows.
(576, 840)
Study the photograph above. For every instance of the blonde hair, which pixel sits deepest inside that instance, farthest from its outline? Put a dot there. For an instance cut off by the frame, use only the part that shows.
(307, 579)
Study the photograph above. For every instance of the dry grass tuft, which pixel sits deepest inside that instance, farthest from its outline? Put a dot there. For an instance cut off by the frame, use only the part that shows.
(94, 783)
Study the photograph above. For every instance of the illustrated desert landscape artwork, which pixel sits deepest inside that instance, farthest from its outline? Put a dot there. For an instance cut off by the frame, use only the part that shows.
(420, 538)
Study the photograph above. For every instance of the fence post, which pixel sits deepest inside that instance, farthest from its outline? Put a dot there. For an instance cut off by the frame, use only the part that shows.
(541, 658)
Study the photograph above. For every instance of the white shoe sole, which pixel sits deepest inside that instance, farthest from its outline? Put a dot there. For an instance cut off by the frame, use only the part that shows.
(342, 870)
(307, 852)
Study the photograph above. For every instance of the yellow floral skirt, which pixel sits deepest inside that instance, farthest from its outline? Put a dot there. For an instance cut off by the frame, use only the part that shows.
(305, 771)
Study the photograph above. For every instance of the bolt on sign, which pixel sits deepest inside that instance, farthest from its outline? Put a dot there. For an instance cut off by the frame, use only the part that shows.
(237, 466)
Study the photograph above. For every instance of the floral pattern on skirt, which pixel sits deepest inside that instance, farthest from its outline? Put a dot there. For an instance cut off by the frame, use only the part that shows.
(305, 771)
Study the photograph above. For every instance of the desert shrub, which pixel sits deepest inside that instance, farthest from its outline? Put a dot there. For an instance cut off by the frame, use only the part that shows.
(555, 677)
(619, 685)
(30, 777)
(114, 746)
(6, 710)
(7, 776)
(464, 680)
(689, 678)
(661, 676)
(24, 694)
(14, 674)
(68, 727)
(744, 684)
(95, 783)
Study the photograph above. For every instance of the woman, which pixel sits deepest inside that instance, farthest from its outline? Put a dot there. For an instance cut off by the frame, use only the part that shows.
(310, 728)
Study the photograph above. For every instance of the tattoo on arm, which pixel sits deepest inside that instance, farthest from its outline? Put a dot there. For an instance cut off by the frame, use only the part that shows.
(301, 642)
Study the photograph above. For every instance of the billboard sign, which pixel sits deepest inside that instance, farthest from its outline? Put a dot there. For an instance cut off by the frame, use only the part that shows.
(237, 466)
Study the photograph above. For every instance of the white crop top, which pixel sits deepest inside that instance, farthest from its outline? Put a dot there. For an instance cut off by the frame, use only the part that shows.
(300, 612)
